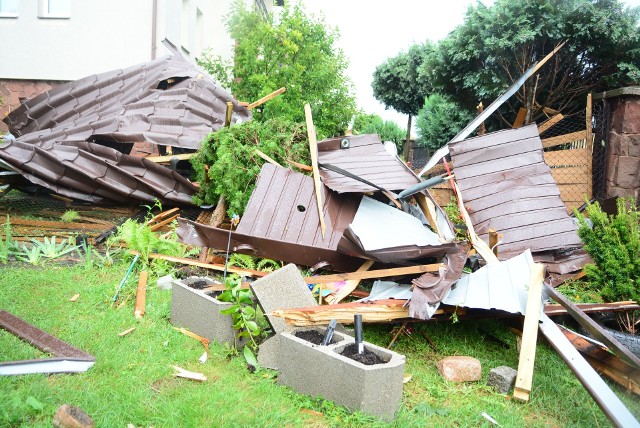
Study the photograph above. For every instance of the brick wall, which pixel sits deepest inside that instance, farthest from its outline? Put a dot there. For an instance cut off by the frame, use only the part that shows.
(623, 150)
(12, 90)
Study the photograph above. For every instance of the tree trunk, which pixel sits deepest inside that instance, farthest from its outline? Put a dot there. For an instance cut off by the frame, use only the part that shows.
(406, 148)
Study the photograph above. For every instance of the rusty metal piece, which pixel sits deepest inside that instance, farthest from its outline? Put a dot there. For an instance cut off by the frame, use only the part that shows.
(66, 359)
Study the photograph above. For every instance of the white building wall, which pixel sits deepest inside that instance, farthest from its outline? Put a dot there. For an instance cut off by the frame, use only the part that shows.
(102, 36)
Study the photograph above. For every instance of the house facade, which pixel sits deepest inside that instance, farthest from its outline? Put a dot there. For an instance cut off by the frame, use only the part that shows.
(48, 42)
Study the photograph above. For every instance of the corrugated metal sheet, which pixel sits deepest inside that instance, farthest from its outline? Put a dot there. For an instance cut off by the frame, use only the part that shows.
(366, 158)
(62, 134)
(507, 186)
(281, 222)
(500, 286)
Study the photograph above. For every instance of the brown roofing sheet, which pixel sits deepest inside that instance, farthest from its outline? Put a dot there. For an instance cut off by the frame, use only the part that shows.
(507, 186)
(61, 135)
(366, 158)
(281, 221)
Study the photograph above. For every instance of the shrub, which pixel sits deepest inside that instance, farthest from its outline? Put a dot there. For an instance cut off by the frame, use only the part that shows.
(227, 163)
(614, 244)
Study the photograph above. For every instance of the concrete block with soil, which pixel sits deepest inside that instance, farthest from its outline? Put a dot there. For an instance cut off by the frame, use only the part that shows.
(460, 369)
(199, 312)
(324, 371)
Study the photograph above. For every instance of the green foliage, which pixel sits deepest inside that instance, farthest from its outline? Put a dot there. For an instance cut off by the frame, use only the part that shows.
(70, 216)
(233, 164)
(243, 312)
(439, 121)
(495, 45)
(614, 245)
(580, 292)
(295, 51)
(246, 261)
(38, 252)
(7, 246)
(373, 124)
(396, 82)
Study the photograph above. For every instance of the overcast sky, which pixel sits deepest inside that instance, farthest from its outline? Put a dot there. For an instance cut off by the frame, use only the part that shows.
(371, 32)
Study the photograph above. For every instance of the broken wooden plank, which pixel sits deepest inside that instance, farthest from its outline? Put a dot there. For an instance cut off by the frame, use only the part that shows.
(164, 222)
(266, 98)
(186, 374)
(300, 166)
(563, 139)
(141, 295)
(550, 122)
(75, 297)
(162, 215)
(378, 311)
(212, 266)
(605, 362)
(379, 273)
(266, 157)
(558, 309)
(527, 359)
(520, 117)
(592, 327)
(169, 158)
(127, 331)
(228, 114)
(351, 285)
(313, 152)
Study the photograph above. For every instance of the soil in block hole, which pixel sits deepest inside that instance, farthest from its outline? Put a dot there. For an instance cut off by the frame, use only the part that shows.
(312, 336)
(367, 358)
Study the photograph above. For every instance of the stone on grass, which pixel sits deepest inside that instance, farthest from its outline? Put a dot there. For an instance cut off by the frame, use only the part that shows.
(502, 379)
(460, 369)
(68, 416)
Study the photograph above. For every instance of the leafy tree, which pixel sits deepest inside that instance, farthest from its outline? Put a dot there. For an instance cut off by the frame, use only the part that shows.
(396, 84)
(294, 51)
(439, 121)
(495, 45)
(374, 124)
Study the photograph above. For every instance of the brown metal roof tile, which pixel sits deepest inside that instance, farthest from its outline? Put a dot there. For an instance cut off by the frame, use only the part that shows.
(366, 158)
(507, 186)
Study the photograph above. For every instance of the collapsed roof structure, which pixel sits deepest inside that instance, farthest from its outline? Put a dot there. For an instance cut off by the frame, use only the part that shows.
(75, 139)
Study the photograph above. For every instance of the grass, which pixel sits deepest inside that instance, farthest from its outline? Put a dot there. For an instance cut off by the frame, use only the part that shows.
(132, 380)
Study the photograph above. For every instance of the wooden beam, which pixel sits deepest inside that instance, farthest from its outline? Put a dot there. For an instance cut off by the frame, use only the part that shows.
(157, 226)
(163, 215)
(266, 157)
(378, 311)
(379, 273)
(212, 266)
(168, 158)
(522, 114)
(550, 122)
(563, 139)
(301, 167)
(429, 210)
(228, 114)
(351, 285)
(313, 152)
(527, 359)
(141, 294)
(266, 98)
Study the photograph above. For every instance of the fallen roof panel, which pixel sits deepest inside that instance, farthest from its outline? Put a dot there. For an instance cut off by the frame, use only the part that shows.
(69, 139)
(365, 157)
(281, 222)
(508, 187)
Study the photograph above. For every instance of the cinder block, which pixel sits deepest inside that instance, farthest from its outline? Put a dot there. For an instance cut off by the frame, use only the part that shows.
(321, 371)
(502, 379)
(282, 289)
(199, 313)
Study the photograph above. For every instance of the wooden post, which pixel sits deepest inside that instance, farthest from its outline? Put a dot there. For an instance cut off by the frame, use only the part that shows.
(141, 294)
(313, 151)
(229, 113)
(527, 359)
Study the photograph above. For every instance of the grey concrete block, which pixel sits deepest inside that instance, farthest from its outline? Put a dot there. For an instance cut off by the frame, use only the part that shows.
(268, 353)
(502, 379)
(199, 313)
(282, 289)
(321, 371)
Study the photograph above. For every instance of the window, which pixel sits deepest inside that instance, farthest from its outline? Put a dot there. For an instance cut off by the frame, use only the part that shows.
(54, 9)
(9, 8)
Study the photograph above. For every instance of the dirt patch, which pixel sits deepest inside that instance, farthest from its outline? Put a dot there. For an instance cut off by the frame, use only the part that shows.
(367, 358)
(213, 294)
(312, 336)
(198, 284)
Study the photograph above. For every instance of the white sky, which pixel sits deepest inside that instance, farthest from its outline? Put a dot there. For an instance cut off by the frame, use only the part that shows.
(371, 32)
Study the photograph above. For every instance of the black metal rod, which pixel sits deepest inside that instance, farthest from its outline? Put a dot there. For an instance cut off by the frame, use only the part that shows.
(328, 334)
(357, 324)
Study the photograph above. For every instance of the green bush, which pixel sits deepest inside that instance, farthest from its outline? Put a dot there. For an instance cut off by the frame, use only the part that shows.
(374, 124)
(229, 156)
(614, 245)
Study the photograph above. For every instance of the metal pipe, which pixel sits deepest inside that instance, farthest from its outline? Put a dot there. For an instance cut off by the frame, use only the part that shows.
(357, 324)
(328, 335)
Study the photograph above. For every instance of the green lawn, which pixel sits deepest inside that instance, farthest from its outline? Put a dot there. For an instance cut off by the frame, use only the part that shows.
(132, 380)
